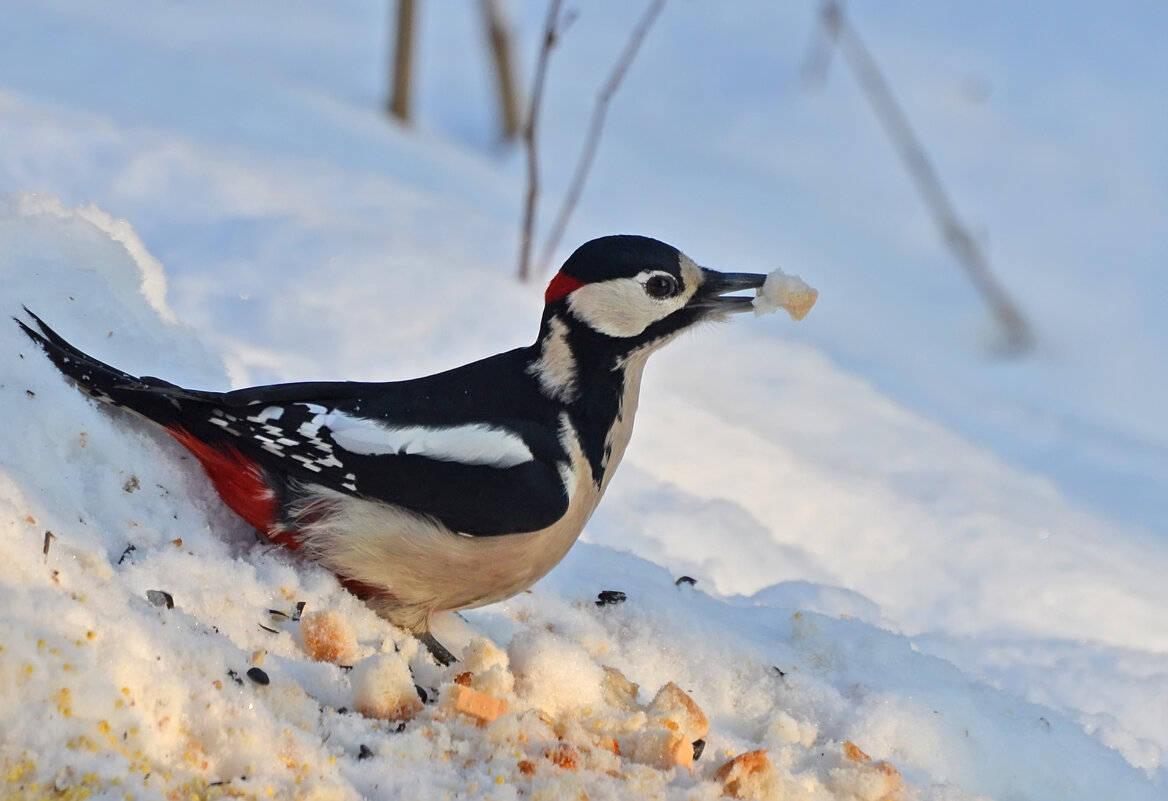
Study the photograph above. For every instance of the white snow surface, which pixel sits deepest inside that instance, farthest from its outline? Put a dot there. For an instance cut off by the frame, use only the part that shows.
(953, 560)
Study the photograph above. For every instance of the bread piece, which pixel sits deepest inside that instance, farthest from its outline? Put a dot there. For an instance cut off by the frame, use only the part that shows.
(749, 775)
(658, 747)
(853, 753)
(619, 692)
(865, 779)
(469, 701)
(383, 688)
(563, 755)
(488, 667)
(782, 291)
(328, 636)
(673, 704)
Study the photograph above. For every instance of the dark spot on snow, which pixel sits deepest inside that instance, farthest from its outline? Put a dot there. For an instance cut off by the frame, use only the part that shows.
(422, 694)
(276, 614)
(160, 598)
(29, 392)
(687, 580)
(610, 598)
(365, 753)
(270, 631)
(129, 550)
(345, 668)
(699, 748)
(131, 484)
(258, 676)
(234, 676)
(49, 537)
(299, 610)
(343, 710)
(782, 673)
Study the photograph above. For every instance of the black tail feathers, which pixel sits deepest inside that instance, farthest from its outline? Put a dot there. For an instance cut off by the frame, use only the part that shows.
(146, 396)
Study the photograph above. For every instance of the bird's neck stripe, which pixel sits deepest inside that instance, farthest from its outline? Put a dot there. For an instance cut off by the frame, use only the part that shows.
(560, 286)
(556, 367)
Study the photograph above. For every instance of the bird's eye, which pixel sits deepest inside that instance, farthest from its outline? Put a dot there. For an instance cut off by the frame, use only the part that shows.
(661, 286)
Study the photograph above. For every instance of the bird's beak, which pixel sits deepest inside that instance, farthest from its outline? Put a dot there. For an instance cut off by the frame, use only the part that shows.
(714, 294)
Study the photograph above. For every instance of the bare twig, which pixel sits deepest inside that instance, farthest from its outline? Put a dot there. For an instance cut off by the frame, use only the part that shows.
(499, 38)
(550, 34)
(403, 61)
(961, 243)
(596, 127)
(818, 57)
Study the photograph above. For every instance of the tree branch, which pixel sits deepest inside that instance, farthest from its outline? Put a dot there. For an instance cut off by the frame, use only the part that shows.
(550, 34)
(596, 127)
(961, 243)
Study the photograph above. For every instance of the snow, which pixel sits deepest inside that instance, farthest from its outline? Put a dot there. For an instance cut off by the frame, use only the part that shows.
(952, 561)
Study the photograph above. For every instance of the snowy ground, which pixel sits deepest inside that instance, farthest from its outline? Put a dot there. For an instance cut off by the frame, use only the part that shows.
(957, 561)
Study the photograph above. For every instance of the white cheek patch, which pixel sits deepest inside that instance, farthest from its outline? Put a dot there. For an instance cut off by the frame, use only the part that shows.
(620, 307)
(691, 274)
(474, 444)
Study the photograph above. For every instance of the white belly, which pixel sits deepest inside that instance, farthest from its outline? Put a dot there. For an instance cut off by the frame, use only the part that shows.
(417, 566)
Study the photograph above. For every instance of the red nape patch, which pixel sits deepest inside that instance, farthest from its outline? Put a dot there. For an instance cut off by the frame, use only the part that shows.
(238, 480)
(560, 286)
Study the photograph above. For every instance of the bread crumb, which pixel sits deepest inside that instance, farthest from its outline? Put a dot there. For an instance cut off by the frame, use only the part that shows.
(658, 747)
(328, 636)
(478, 705)
(383, 688)
(563, 755)
(619, 692)
(863, 778)
(673, 704)
(749, 775)
(488, 667)
(782, 291)
(853, 752)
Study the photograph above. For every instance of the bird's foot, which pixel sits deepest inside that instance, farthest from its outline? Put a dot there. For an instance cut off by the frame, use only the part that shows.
(437, 650)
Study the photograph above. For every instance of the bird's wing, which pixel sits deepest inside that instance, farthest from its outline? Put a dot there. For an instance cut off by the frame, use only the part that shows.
(476, 478)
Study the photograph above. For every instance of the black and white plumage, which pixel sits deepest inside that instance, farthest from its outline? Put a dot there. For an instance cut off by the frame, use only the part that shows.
(460, 488)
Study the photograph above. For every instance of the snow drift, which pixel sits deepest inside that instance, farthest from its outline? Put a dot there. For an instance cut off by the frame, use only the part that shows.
(136, 605)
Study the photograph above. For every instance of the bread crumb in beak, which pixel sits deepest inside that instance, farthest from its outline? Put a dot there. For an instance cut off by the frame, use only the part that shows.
(784, 291)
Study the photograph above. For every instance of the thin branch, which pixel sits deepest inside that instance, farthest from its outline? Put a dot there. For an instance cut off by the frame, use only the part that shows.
(596, 127)
(499, 40)
(817, 60)
(957, 237)
(550, 34)
(403, 62)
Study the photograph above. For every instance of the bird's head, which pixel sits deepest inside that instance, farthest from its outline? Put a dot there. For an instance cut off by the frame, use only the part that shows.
(633, 291)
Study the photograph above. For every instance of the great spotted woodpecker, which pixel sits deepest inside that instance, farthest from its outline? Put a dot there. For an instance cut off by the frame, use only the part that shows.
(454, 490)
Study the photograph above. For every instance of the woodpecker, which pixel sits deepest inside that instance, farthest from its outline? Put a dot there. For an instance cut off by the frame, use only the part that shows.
(457, 489)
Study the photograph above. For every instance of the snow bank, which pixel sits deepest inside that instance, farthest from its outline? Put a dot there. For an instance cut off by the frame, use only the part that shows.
(149, 646)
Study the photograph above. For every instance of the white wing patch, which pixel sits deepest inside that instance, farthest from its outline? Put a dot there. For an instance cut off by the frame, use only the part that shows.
(474, 443)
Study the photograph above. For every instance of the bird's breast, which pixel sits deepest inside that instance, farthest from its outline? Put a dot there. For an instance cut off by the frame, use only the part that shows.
(422, 567)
